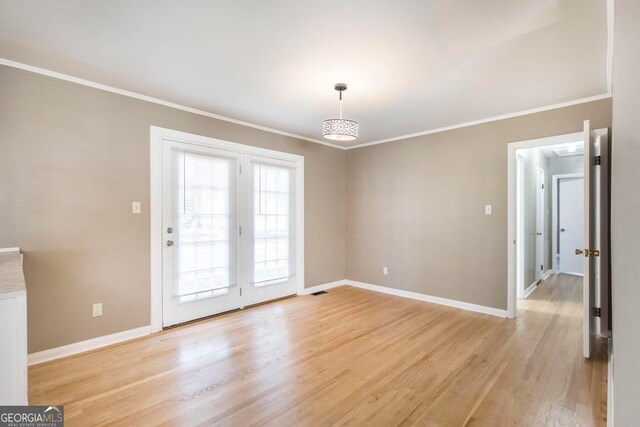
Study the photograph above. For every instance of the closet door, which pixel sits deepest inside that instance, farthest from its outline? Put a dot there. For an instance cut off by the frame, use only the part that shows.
(269, 224)
(200, 229)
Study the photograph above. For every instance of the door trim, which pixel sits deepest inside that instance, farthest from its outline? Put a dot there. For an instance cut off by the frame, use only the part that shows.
(555, 182)
(157, 135)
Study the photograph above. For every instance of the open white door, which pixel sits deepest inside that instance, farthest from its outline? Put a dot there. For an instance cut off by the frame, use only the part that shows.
(596, 208)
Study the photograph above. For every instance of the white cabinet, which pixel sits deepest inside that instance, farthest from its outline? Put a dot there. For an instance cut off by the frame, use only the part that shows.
(13, 329)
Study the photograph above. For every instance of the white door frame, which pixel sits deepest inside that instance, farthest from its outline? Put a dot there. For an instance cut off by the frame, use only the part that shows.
(157, 135)
(541, 210)
(554, 214)
(521, 205)
(512, 208)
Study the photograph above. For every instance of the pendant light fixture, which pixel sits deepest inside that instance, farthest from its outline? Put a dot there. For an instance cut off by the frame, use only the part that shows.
(340, 129)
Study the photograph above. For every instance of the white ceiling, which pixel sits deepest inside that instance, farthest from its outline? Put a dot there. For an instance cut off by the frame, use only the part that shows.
(411, 66)
(563, 150)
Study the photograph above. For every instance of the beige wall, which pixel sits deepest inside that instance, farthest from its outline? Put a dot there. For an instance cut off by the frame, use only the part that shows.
(73, 158)
(417, 206)
(625, 212)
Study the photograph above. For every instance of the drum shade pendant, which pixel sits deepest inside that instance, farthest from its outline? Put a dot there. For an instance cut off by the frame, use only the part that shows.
(340, 129)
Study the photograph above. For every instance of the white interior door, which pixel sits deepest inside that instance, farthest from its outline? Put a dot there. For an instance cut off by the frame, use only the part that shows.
(540, 210)
(269, 226)
(200, 247)
(596, 225)
(570, 224)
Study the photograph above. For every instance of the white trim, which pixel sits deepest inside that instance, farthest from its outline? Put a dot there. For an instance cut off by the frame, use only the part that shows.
(610, 23)
(157, 135)
(554, 215)
(532, 287)
(546, 274)
(487, 120)
(106, 88)
(571, 273)
(520, 210)
(10, 250)
(323, 287)
(541, 209)
(90, 344)
(511, 206)
(100, 86)
(610, 370)
(429, 298)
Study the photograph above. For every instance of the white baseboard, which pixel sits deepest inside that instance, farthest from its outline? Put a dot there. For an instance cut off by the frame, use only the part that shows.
(571, 273)
(530, 289)
(547, 274)
(323, 287)
(90, 344)
(428, 298)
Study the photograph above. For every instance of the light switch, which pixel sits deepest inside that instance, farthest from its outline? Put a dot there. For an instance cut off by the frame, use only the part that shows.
(385, 271)
(135, 207)
(487, 209)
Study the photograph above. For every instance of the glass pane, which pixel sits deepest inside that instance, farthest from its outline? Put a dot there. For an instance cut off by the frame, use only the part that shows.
(203, 220)
(271, 197)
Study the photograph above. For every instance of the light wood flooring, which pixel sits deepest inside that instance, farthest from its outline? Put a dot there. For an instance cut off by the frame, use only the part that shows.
(350, 356)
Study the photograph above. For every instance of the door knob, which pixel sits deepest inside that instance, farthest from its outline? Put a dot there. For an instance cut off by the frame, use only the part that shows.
(595, 252)
(538, 234)
(562, 230)
(579, 251)
(170, 243)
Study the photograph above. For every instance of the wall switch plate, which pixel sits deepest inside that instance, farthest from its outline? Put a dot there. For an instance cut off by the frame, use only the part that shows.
(136, 208)
(97, 309)
(487, 209)
(385, 271)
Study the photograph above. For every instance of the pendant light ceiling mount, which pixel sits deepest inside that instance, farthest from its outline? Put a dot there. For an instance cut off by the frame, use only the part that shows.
(340, 129)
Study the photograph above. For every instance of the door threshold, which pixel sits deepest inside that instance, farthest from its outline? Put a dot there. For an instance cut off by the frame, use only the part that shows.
(213, 316)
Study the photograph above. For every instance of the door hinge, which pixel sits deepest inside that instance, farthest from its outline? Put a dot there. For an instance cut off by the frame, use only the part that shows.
(597, 312)
(597, 160)
(240, 291)
(240, 230)
(542, 186)
(240, 169)
(541, 268)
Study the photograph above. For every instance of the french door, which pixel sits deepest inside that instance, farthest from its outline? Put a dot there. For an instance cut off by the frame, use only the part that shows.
(269, 215)
(229, 230)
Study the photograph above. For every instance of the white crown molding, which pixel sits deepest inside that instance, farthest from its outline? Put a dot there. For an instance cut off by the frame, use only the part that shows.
(487, 120)
(90, 344)
(100, 86)
(106, 88)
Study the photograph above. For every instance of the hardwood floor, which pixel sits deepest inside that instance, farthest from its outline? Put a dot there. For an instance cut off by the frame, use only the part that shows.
(350, 356)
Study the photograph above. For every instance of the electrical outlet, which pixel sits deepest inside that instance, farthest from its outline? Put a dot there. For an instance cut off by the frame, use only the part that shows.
(385, 271)
(97, 309)
(487, 209)
(136, 208)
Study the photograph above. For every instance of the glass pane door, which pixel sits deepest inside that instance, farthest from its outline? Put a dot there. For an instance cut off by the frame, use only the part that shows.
(270, 256)
(200, 225)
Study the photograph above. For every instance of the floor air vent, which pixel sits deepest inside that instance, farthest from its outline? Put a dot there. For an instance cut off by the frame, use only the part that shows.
(319, 293)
